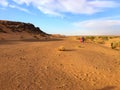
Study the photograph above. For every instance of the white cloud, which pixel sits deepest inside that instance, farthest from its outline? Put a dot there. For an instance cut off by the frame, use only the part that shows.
(46, 11)
(103, 4)
(19, 8)
(99, 26)
(57, 7)
(97, 23)
(27, 2)
(3, 3)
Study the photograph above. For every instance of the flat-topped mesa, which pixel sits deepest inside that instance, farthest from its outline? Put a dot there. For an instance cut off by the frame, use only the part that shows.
(19, 27)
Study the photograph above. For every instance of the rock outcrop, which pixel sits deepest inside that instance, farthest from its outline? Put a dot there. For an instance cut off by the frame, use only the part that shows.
(20, 28)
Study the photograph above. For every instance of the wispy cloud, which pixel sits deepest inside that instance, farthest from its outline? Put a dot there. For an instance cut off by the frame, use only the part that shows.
(20, 8)
(99, 26)
(50, 12)
(58, 7)
(97, 23)
(104, 3)
(4, 3)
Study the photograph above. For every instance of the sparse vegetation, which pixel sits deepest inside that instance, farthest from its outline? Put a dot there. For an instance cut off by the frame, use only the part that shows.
(61, 48)
(77, 38)
(105, 38)
(65, 60)
(99, 40)
(79, 46)
(115, 45)
(89, 38)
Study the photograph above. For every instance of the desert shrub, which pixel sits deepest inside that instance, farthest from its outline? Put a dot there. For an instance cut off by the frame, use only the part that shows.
(61, 48)
(118, 44)
(101, 42)
(79, 46)
(89, 38)
(105, 38)
(111, 37)
(115, 45)
(77, 38)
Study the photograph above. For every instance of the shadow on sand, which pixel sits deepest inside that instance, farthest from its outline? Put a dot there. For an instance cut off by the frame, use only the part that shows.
(107, 88)
(68, 50)
(38, 40)
(10, 42)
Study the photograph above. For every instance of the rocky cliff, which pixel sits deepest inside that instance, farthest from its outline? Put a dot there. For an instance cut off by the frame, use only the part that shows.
(11, 29)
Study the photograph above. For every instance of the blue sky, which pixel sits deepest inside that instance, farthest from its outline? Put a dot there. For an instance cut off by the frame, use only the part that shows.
(68, 17)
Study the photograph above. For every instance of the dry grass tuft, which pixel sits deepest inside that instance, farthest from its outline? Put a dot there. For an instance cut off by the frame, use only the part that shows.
(115, 45)
(79, 46)
(61, 48)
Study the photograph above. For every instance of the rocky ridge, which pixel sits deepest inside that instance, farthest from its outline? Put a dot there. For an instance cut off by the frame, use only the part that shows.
(13, 28)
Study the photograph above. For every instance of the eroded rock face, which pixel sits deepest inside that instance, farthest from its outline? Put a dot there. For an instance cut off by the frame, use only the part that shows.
(10, 26)
(10, 30)
(2, 31)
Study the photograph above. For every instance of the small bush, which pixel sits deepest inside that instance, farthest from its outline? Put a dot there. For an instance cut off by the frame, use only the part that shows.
(101, 42)
(61, 48)
(79, 46)
(118, 44)
(105, 38)
(115, 45)
(91, 38)
(77, 38)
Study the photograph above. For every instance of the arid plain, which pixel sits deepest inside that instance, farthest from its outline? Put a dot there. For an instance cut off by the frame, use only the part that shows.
(39, 64)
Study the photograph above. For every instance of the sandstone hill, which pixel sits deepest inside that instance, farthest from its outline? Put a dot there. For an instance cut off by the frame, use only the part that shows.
(11, 30)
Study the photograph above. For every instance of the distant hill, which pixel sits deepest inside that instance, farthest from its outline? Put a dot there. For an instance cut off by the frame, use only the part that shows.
(20, 30)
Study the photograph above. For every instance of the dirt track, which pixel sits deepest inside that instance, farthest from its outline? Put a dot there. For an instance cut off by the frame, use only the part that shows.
(29, 65)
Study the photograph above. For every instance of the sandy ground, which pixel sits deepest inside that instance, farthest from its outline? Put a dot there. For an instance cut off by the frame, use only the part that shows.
(38, 65)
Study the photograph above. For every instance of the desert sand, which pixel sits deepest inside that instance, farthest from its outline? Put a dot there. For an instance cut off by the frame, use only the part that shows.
(39, 65)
